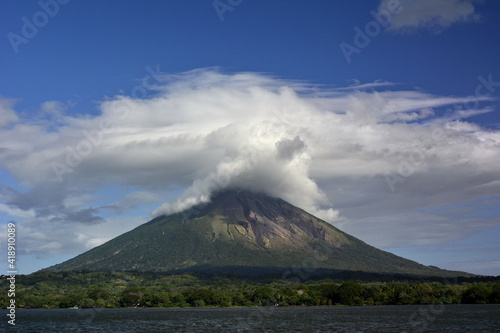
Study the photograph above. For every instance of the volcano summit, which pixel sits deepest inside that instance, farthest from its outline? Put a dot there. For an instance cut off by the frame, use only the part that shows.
(244, 233)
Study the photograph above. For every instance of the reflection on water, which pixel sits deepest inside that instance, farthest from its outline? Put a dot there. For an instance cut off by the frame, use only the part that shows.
(387, 319)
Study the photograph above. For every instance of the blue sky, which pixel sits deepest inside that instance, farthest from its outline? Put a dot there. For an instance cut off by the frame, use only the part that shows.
(397, 143)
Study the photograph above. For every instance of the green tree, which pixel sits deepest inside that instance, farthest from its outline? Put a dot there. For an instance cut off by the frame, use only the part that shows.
(99, 293)
(88, 303)
(178, 300)
(495, 293)
(36, 302)
(328, 293)
(350, 293)
(70, 300)
(404, 294)
(202, 297)
(131, 296)
(263, 296)
(156, 299)
(477, 294)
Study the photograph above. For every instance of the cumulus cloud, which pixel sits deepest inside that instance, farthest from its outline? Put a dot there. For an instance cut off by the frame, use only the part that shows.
(354, 156)
(53, 108)
(430, 14)
(7, 114)
(288, 148)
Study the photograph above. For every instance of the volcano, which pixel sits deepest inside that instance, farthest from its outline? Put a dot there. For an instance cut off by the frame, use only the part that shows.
(244, 233)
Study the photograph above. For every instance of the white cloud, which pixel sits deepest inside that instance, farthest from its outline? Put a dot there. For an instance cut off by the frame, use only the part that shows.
(325, 150)
(430, 14)
(16, 212)
(53, 108)
(7, 114)
(42, 237)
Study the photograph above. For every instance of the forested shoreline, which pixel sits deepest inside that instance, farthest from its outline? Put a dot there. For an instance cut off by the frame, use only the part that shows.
(132, 289)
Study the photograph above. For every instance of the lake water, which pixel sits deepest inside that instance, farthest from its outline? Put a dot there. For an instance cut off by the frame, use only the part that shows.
(387, 319)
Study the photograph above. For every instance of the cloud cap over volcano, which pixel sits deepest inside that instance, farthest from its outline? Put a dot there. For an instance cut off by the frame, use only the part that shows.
(356, 156)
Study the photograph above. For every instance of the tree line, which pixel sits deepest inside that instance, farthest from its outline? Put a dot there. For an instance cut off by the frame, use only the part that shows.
(131, 289)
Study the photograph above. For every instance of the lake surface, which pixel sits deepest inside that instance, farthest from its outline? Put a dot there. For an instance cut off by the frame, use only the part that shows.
(369, 319)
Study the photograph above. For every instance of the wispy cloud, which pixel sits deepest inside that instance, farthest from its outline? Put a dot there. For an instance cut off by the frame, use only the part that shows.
(430, 14)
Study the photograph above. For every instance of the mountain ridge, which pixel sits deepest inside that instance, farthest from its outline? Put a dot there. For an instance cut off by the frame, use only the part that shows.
(246, 230)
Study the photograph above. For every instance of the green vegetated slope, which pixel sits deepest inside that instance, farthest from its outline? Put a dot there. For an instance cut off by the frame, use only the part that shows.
(246, 233)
